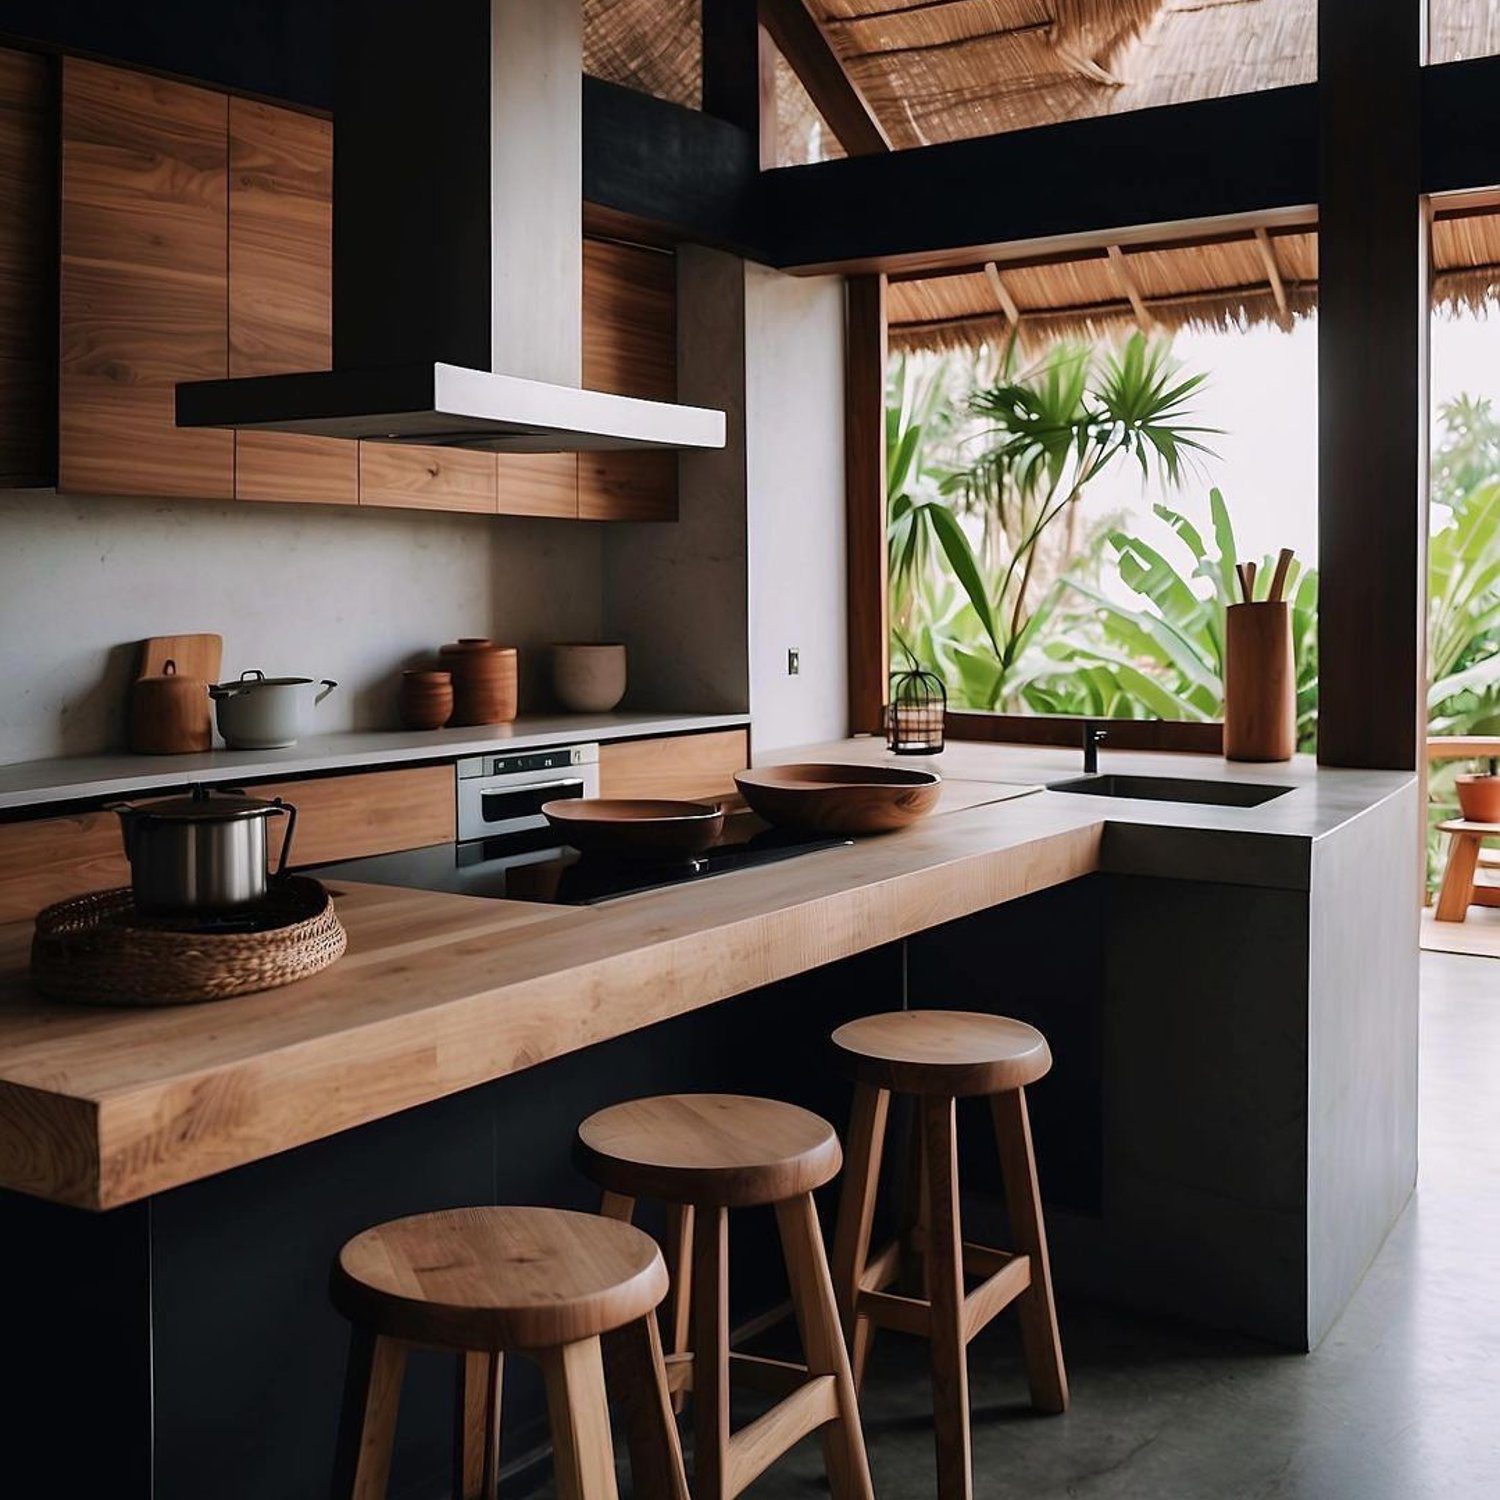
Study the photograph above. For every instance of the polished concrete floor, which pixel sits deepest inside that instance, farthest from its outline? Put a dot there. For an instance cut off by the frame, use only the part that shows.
(1401, 1401)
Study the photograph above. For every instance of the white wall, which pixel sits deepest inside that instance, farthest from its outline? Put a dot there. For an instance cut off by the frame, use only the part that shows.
(309, 591)
(794, 445)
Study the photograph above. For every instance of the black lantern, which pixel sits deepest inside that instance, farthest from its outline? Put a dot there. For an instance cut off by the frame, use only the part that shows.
(914, 721)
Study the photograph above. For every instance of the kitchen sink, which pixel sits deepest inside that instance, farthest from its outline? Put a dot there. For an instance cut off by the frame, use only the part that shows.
(1172, 789)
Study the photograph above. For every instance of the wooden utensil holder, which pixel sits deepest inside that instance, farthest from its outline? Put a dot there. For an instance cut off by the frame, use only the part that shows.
(1260, 682)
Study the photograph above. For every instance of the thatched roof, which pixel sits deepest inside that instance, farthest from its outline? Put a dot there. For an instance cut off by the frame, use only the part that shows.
(1238, 280)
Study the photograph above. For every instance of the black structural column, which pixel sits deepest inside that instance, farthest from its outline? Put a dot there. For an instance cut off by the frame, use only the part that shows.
(1372, 384)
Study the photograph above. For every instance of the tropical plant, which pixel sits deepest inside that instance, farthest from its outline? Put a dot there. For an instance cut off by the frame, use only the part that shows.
(1165, 657)
(1044, 434)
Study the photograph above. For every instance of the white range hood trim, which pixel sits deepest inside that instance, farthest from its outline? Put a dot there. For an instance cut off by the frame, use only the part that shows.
(512, 402)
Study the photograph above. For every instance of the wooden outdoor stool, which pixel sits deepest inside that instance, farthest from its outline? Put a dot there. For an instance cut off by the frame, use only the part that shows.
(1460, 890)
(569, 1290)
(705, 1154)
(940, 1056)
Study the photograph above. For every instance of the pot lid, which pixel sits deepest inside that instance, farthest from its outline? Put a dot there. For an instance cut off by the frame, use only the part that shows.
(247, 681)
(203, 805)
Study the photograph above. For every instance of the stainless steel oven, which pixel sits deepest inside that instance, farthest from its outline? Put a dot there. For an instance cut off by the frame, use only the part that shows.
(504, 793)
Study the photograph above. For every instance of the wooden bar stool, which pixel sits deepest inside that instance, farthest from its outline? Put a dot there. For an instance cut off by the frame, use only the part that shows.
(569, 1290)
(706, 1154)
(941, 1056)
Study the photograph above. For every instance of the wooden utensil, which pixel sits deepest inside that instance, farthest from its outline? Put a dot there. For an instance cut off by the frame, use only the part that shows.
(1278, 578)
(651, 828)
(169, 714)
(824, 798)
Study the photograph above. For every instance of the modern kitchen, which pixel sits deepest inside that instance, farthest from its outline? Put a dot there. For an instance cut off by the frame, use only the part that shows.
(466, 825)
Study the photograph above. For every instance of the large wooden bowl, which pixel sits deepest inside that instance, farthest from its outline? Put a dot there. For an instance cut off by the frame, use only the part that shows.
(840, 799)
(639, 828)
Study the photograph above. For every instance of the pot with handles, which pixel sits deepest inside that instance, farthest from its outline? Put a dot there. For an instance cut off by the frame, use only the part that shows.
(266, 713)
(204, 853)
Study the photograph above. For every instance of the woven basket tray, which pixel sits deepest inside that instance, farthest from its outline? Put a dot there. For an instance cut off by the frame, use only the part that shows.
(95, 950)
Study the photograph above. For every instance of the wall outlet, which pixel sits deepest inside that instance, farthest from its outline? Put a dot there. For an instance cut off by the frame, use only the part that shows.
(793, 661)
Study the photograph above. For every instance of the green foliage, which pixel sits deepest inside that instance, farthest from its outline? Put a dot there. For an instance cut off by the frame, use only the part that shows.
(1043, 434)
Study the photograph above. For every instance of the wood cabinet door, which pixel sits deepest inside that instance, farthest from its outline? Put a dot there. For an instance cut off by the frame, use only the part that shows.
(630, 349)
(28, 246)
(365, 812)
(418, 478)
(689, 766)
(537, 484)
(144, 282)
(281, 292)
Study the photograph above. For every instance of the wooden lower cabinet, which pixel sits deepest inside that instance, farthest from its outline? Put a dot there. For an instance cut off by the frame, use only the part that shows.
(367, 812)
(338, 817)
(689, 766)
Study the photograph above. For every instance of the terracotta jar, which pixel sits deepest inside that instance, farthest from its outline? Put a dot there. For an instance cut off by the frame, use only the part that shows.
(426, 700)
(484, 680)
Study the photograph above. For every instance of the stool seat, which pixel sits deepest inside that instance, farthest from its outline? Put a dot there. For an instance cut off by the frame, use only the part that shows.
(712, 1150)
(952, 1053)
(499, 1278)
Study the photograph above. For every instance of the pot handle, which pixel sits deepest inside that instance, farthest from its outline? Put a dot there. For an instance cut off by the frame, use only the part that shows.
(248, 678)
(127, 821)
(328, 686)
(291, 828)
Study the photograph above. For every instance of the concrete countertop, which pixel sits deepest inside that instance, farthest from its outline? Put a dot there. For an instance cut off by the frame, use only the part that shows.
(102, 1107)
(36, 783)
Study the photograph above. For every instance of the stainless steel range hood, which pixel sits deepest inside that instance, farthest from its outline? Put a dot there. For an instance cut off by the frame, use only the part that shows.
(457, 246)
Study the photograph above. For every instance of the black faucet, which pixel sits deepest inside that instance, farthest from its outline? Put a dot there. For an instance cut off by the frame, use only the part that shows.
(1092, 734)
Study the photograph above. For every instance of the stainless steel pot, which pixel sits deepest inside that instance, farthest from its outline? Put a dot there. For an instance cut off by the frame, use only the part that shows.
(202, 853)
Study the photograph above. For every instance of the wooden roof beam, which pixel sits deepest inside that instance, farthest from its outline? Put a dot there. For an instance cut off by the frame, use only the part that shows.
(1002, 293)
(837, 96)
(1132, 293)
(1273, 271)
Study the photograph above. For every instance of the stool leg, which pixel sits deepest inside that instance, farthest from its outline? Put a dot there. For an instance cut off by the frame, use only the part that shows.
(476, 1445)
(823, 1345)
(1457, 890)
(944, 1266)
(617, 1206)
(583, 1454)
(1038, 1314)
(851, 1240)
(914, 1212)
(680, 1298)
(633, 1366)
(367, 1426)
(710, 1353)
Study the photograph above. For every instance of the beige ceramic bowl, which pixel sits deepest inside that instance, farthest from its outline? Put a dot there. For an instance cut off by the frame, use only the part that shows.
(588, 679)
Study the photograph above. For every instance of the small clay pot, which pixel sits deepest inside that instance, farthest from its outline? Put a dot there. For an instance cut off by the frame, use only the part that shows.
(426, 699)
(1479, 798)
(588, 678)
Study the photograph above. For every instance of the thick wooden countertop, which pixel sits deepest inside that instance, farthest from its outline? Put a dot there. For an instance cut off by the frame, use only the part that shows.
(439, 993)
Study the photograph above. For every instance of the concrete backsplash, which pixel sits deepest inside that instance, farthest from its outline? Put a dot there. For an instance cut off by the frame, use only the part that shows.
(310, 591)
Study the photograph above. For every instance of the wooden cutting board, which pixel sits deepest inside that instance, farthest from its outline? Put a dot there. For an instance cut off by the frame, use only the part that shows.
(196, 656)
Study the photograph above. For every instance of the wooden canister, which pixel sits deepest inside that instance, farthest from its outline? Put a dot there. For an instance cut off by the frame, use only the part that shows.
(426, 700)
(169, 714)
(1260, 682)
(484, 681)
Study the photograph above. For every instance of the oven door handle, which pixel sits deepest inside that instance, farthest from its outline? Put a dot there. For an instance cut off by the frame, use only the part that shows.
(502, 803)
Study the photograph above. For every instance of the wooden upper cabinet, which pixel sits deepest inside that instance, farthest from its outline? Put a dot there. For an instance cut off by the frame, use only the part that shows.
(419, 478)
(144, 282)
(28, 249)
(281, 292)
(630, 349)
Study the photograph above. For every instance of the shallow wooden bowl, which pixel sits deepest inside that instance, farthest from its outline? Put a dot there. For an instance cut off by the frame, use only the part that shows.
(840, 799)
(635, 827)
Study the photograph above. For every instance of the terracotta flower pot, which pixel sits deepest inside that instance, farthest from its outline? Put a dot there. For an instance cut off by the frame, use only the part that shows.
(1479, 798)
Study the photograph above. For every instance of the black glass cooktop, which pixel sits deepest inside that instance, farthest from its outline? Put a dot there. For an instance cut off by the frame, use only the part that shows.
(531, 866)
